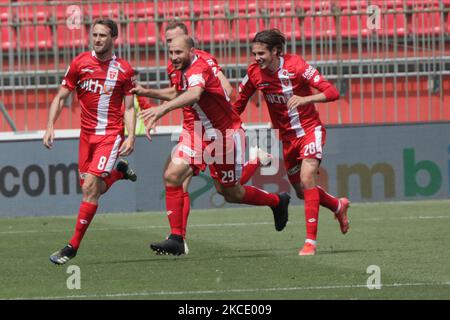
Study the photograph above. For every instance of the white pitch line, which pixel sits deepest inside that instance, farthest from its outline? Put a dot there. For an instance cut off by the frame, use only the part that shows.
(237, 224)
(175, 293)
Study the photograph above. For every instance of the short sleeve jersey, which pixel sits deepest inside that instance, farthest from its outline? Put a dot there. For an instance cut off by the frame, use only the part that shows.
(100, 87)
(294, 77)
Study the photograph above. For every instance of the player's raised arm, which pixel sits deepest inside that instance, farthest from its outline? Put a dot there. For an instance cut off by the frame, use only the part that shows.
(313, 78)
(226, 85)
(246, 91)
(165, 94)
(55, 111)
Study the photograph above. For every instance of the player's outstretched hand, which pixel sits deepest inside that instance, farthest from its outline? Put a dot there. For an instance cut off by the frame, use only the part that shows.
(49, 136)
(297, 101)
(138, 90)
(127, 146)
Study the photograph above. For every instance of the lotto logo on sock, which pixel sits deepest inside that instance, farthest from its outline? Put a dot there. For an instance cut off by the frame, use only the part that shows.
(311, 220)
(169, 212)
(82, 221)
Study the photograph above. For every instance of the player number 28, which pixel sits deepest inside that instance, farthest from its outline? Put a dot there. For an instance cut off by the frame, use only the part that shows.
(310, 149)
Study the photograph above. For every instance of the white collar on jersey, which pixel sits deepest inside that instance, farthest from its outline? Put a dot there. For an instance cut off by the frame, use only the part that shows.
(113, 56)
(195, 59)
(281, 63)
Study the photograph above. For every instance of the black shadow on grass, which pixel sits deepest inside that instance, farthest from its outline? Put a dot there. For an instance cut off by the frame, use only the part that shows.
(170, 259)
(320, 252)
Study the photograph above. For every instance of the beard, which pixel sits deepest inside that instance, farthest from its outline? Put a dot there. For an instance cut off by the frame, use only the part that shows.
(103, 50)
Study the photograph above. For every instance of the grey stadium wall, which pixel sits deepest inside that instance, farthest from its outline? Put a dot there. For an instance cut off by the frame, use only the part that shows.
(367, 164)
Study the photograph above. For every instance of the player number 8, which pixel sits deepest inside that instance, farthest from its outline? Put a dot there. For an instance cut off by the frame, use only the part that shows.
(101, 163)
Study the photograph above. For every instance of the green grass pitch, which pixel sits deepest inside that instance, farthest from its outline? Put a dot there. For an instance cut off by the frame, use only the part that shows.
(235, 254)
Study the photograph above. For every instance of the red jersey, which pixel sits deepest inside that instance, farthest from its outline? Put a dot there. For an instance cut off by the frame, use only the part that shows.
(213, 109)
(175, 80)
(101, 87)
(294, 77)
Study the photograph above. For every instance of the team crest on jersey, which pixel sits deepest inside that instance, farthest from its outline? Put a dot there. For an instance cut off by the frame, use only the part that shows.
(112, 74)
(285, 82)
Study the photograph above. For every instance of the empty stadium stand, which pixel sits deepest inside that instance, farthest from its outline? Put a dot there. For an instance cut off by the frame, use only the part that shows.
(396, 72)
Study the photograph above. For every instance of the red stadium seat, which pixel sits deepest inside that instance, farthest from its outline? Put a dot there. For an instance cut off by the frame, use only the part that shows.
(289, 26)
(71, 37)
(33, 13)
(208, 7)
(349, 4)
(275, 6)
(7, 37)
(33, 29)
(312, 5)
(213, 30)
(426, 23)
(35, 36)
(393, 23)
(141, 33)
(320, 25)
(354, 25)
(103, 10)
(172, 9)
(243, 29)
(140, 9)
(386, 4)
(5, 14)
(238, 6)
(448, 24)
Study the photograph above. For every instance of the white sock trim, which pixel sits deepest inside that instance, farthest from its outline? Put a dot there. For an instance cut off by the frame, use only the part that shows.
(314, 242)
(339, 207)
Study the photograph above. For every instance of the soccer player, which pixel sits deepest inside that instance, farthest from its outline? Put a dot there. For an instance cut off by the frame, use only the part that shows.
(218, 128)
(102, 82)
(286, 81)
(258, 157)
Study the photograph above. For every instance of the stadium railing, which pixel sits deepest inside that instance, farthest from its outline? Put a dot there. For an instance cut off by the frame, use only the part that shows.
(390, 62)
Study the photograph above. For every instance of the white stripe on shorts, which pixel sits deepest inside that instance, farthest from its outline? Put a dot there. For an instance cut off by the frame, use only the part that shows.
(113, 156)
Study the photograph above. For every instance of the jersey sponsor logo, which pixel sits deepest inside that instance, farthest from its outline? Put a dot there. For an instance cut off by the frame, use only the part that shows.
(196, 79)
(264, 84)
(87, 70)
(293, 170)
(309, 73)
(95, 87)
(275, 98)
(316, 78)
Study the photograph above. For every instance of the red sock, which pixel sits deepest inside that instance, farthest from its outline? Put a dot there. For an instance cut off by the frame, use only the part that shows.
(248, 171)
(258, 197)
(113, 177)
(186, 211)
(174, 207)
(327, 200)
(85, 216)
(312, 199)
